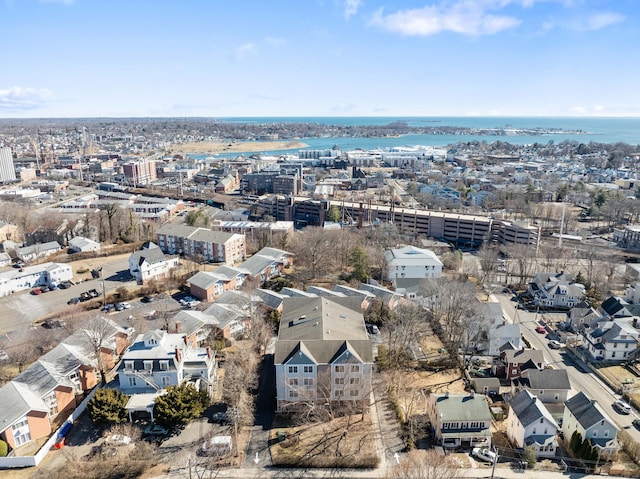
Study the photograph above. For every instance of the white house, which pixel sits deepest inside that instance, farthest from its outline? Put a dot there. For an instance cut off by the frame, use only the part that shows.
(585, 416)
(158, 359)
(80, 244)
(31, 276)
(33, 252)
(502, 334)
(553, 290)
(151, 263)
(610, 340)
(529, 423)
(410, 262)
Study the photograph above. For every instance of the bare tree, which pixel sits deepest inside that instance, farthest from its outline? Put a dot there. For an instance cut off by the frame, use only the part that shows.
(97, 331)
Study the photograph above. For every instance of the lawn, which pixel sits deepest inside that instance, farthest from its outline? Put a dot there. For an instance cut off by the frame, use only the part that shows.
(347, 441)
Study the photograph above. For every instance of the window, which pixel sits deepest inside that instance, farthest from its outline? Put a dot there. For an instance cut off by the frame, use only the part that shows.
(308, 382)
(339, 369)
(293, 369)
(293, 394)
(308, 369)
(164, 365)
(128, 365)
(355, 368)
(353, 393)
(21, 433)
(132, 381)
(339, 381)
(541, 420)
(293, 382)
(165, 380)
(354, 380)
(148, 365)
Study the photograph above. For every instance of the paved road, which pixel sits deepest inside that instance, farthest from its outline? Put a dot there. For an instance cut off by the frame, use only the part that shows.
(579, 374)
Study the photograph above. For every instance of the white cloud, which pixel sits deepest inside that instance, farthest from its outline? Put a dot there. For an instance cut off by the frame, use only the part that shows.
(351, 7)
(245, 50)
(600, 20)
(19, 99)
(467, 17)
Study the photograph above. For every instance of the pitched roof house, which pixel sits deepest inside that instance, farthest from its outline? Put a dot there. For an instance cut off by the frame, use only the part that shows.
(323, 354)
(529, 423)
(585, 416)
(151, 263)
(556, 290)
(460, 420)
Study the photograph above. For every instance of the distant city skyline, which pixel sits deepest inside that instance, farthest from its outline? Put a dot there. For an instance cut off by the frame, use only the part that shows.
(90, 58)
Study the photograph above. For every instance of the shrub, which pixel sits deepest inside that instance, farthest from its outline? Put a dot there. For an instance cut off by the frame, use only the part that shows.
(180, 405)
(4, 448)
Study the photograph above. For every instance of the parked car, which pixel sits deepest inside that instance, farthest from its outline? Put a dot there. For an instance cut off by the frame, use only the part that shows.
(36, 291)
(148, 299)
(73, 301)
(553, 344)
(484, 454)
(19, 264)
(216, 446)
(636, 422)
(3, 355)
(150, 314)
(55, 323)
(155, 430)
(541, 330)
(622, 407)
(44, 289)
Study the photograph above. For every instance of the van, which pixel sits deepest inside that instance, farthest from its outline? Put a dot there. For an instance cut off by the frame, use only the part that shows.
(622, 407)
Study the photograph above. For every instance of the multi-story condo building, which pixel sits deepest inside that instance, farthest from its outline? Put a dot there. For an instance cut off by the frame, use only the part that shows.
(141, 172)
(323, 354)
(212, 246)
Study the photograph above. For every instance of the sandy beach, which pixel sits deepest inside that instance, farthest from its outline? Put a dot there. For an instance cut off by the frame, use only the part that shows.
(212, 148)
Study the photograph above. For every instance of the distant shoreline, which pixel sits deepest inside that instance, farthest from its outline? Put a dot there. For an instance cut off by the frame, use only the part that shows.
(216, 147)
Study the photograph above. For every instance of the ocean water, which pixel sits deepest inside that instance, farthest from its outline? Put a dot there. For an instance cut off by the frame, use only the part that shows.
(601, 130)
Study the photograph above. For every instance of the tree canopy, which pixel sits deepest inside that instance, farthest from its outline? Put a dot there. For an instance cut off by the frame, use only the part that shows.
(107, 407)
(180, 405)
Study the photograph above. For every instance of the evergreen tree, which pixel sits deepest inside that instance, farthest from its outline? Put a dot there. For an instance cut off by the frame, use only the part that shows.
(360, 263)
(180, 405)
(107, 407)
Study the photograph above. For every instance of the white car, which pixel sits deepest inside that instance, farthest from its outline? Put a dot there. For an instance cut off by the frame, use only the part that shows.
(553, 344)
(117, 440)
(484, 454)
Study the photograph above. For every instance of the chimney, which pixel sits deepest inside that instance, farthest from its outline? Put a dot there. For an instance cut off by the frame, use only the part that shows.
(208, 352)
(178, 355)
(178, 326)
(186, 340)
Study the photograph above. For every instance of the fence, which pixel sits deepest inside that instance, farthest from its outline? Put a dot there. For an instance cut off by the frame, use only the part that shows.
(32, 461)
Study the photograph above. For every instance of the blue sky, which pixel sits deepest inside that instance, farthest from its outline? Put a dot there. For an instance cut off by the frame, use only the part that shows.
(220, 58)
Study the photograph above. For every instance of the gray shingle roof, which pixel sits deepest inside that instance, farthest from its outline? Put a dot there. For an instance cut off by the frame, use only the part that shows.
(548, 379)
(529, 409)
(586, 411)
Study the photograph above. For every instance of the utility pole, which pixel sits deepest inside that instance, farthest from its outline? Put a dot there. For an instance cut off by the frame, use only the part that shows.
(493, 466)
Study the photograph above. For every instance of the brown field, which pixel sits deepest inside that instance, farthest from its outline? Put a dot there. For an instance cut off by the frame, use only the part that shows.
(345, 440)
(212, 148)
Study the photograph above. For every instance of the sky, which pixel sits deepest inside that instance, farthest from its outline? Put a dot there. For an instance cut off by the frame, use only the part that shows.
(231, 58)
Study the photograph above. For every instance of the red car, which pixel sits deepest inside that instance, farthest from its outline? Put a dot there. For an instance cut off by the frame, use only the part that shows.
(36, 291)
(541, 330)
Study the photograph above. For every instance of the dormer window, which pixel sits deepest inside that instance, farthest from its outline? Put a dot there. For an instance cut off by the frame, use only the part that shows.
(128, 365)
(164, 365)
(148, 365)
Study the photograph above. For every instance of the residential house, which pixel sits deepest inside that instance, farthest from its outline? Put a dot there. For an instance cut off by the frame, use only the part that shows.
(32, 276)
(548, 385)
(5, 260)
(501, 334)
(366, 297)
(582, 313)
(388, 297)
(150, 263)
(460, 420)
(529, 424)
(323, 354)
(80, 244)
(410, 262)
(158, 359)
(615, 307)
(212, 246)
(37, 400)
(611, 340)
(555, 290)
(36, 251)
(208, 286)
(266, 264)
(513, 362)
(584, 416)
